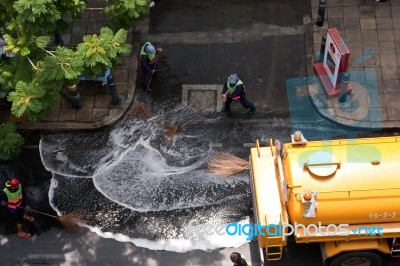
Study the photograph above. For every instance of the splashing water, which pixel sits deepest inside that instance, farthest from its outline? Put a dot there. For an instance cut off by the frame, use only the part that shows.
(136, 185)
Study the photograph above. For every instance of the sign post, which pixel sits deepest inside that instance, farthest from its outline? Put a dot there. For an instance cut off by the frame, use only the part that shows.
(334, 64)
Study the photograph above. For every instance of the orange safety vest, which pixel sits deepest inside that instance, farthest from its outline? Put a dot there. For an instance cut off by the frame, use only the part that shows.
(14, 198)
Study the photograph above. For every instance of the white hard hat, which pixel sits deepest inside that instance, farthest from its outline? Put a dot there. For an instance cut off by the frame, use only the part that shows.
(233, 79)
(150, 49)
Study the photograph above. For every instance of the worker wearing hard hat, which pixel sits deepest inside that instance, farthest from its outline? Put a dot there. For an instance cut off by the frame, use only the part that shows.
(13, 197)
(234, 90)
(148, 61)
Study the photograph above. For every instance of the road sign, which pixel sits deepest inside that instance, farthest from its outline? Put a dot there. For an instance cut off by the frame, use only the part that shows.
(334, 64)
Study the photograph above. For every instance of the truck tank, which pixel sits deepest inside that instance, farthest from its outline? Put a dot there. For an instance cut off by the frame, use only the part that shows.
(343, 181)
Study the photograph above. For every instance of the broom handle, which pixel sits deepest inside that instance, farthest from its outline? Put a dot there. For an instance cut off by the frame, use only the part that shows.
(56, 217)
(152, 73)
(186, 122)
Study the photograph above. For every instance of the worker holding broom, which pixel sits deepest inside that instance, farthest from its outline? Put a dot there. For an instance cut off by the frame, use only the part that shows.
(14, 198)
(148, 61)
(234, 90)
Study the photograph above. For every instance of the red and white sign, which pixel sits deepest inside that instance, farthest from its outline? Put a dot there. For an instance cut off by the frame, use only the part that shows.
(335, 63)
(332, 58)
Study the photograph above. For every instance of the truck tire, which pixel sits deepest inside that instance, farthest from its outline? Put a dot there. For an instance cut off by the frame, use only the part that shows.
(358, 258)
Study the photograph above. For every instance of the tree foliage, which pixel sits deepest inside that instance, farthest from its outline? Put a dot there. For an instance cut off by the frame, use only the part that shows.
(35, 97)
(10, 141)
(65, 64)
(31, 73)
(103, 51)
(35, 17)
(27, 99)
(7, 72)
(124, 12)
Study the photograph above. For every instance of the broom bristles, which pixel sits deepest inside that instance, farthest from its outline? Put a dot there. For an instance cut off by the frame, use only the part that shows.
(171, 130)
(226, 164)
(71, 221)
(140, 110)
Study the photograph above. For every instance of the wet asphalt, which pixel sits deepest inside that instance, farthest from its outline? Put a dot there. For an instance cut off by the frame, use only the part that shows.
(205, 41)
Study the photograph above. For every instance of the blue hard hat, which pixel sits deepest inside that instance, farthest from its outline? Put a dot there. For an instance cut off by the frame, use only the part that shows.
(233, 79)
(150, 49)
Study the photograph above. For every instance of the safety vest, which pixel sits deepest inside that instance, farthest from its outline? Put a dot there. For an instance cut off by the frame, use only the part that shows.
(152, 57)
(14, 198)
(232, 89)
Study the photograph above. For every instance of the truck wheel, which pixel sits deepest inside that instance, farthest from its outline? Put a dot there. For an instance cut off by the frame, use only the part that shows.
(358, 258)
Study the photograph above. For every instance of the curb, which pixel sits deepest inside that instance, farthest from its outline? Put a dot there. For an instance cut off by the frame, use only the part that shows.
(312, 79)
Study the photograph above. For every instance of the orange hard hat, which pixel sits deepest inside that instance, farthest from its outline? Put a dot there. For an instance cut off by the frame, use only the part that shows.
(14, 182)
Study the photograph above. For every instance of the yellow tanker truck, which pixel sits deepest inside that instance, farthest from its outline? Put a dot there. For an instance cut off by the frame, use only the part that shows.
(343, 194)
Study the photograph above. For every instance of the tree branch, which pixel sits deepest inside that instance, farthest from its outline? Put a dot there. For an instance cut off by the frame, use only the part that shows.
(32, 64)
(50, 53)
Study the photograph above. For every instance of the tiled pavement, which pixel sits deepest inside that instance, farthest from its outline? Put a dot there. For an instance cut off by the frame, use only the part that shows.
(372, 32)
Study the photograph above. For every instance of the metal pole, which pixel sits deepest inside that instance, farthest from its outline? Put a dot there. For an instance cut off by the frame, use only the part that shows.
(343, 87)
(322, 50)
(113, 90)
(321, 13)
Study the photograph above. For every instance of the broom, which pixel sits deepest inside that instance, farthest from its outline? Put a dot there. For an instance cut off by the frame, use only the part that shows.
(70, 221)
(172, 129)
(140, 109)
(226, 164)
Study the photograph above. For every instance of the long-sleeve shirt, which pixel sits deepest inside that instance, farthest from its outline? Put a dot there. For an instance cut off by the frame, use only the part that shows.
(145, 61)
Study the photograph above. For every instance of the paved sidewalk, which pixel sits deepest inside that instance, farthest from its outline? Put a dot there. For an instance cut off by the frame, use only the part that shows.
(372, 32)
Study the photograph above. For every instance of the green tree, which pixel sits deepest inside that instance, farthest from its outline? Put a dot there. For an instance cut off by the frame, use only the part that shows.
(26, 25)
(63, 65)
(10, 141)
(36, 98)
(125, 12)
(103, 51)
(34, 75)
